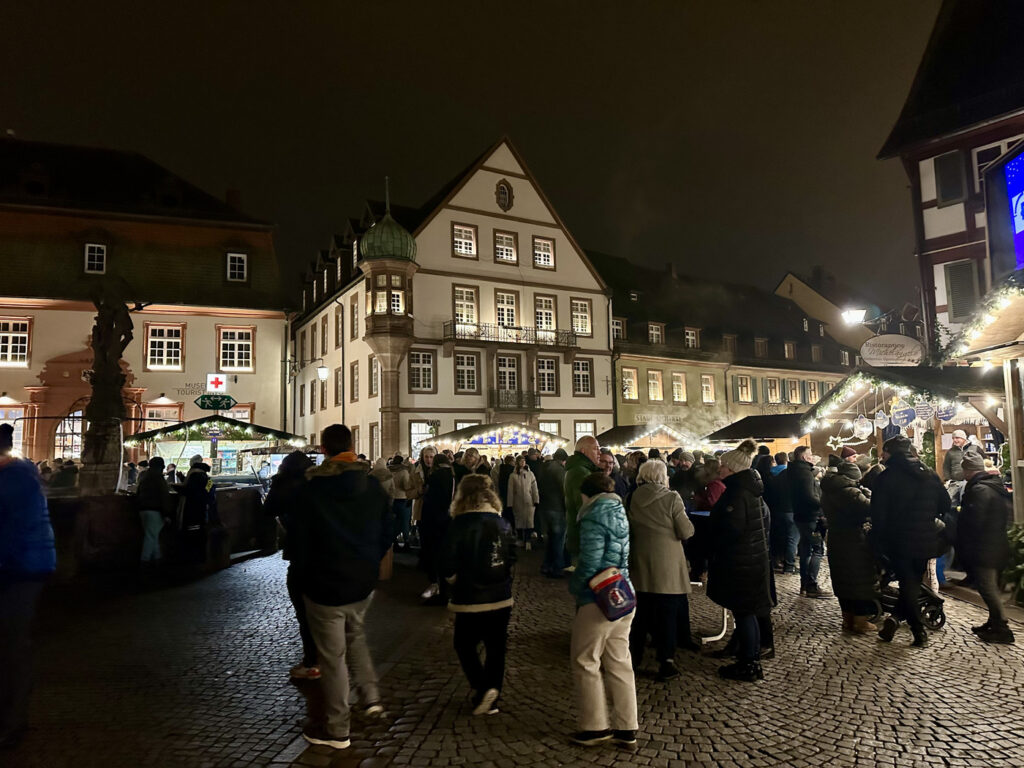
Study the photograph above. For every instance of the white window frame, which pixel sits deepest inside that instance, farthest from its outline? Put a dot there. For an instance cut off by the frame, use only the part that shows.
(793, 391)
(582, 377)
(421, 371)
(707, 388)
(844, 357)
(545, 313)
(812, 392)
(508, 372)
(467, 311)
(239, 339)
(773, 389)
(630, 388)
(582, 324)
(544, 259)
(505, 309)
(678, 387)
(789, 350)
(95, 252)
(583, 428)
(464, 240)
(554, 427)
(655, 333)
(505, 250)
(156, 335)
(232, 263)
(547, 376)
(691, 338)
(618, 329)
(655, 386)
(466, 368)
(15, 342)
(744, 389)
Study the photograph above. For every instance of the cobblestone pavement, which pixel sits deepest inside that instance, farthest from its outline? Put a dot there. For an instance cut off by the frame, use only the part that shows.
(196, 675)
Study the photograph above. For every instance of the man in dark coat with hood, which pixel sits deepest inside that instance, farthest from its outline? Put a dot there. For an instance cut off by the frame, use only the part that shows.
(985, 512)
(906, 500)
(551, 509)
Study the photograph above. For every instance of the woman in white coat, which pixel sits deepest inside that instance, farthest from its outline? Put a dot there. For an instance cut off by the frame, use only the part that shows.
(523, 497)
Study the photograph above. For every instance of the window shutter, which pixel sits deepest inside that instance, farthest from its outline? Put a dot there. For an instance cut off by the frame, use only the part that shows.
(950, 178)
(764, 389)
(753, 389)
(961, 290)
(784, 394)
(803, 391)
(735, 389)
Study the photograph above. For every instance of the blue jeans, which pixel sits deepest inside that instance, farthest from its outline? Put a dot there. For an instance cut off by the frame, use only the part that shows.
(790, 541)
(554, 549)
(748, 637)
(402, 509)
(811, 549)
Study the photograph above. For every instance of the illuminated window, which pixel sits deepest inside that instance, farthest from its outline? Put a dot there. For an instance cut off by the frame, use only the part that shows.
(238, 268)
(466, 379)
(584, 428)
(465, 306)
(618, 329)
(744, 392)
(581, 316)
(691, 338)
(236, 349)
(844, 357)
(508, 372)
(505, 247)
(14, 417)
(338, 386)
(806, 324)
(543, 253)
(790, 350)
(157, 418)
(678, 387)
(655, 392)
(323, 335)
(323, 395)
(812, 392)
(793, 387)
(463, 240)
(421, 371)
(164, 347)
(547, 375)
(582, 373)
(14, 341)
(655, 333)
(95, 258)
(505, 309)
(353, 381)
(339, 326)
(551, 427)
(773, 390)
(353, 321)
(374, 376)
(629, 387)
(707, 388)
(69, 437)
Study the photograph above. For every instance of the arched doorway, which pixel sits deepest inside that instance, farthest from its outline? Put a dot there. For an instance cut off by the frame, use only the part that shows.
(69, 437)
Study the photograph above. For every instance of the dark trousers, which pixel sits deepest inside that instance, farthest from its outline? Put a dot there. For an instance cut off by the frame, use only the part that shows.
(402, 509)
(765, 631)
(748, 637)
(554, 550)
(811, 549)
(295, 595)
(657, 615)
(698, 546)
(17, 607)
(784, 540)
(431, 544)
(857, 607)
(909, 572)
(988, 587)
(491, 629)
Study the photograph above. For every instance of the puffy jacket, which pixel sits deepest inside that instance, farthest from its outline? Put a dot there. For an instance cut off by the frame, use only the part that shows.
(951, 469)
(27, 549)
(152, 492)
(342, 534)
(603, 543)
(523, 497)
(551, 487)
(985, 512)
(477, 558)
(400, 480)
(905, 501)
(804, 492)
(776, 491)
(657, 526)
(851, 562)
(739, 576)
(437, 499)
(576, 469)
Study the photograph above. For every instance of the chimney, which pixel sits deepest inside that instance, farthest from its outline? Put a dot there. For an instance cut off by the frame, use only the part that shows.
(233, 198)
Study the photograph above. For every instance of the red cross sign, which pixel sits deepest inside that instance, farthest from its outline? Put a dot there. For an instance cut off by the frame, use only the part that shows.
(216, 383)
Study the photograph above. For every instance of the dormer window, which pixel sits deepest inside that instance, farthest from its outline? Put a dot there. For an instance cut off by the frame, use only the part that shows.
(807, 325)
(325, 282)
(691, 338)
(844, 357)
(655, 333)
(634, 296)
(355, 254)
(95, 259)
(760, 347)
(238, 267)
(790, 350)
(729, 343)
(821, 330)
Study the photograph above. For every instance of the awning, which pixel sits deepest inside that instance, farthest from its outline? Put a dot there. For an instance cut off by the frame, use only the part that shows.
(995, 332)
(775, 426)
(507, 434)
(642, 436)
(181, 431)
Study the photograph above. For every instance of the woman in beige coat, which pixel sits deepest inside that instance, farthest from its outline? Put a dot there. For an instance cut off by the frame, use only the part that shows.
(658, 526)
(523, 497)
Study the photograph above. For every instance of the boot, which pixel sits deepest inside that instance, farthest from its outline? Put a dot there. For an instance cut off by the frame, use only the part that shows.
(861, 625)
(997, 633)
(920, 637)
(885, 634)
(745, 671)
(847, 621)
(982, 628)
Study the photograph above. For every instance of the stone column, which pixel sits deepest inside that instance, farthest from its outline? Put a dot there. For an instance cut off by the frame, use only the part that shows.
(390, 418)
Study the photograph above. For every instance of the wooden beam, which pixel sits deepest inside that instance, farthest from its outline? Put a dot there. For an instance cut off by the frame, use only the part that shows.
(990, 413)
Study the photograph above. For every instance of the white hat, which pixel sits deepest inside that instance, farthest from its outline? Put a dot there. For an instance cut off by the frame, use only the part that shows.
(960, 433)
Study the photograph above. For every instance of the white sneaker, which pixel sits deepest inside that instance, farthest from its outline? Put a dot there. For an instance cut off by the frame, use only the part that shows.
(529, 546)
(430, 592)
(487, 703)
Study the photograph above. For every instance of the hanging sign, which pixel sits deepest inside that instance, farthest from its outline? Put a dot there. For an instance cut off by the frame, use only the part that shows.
(216, 383)
(881, 420)
(924, 410)
(902, 414)
(893, 350)
(862, 427)
(946, 412)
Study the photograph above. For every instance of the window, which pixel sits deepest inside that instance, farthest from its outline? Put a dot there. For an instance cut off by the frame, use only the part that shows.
(312, 342)
(14, 341)
(544, 318)
(236, 349)
(14, 416)
(584, 428)
(69, 437)
(464, 424)
(630, 390)
(729, 343)
(164, 347)
(353, 320)
(467, 367)
(325, 282)
(793, 391)
(543, 253)
(355, 254)
(950, 179)
(503, 195)
(338, 386)
(464, 240)
(312, 397)
(984, 155)
(547, 375)
(581, 317)
(419, 432)
(505, 249)
(323, 335)
(815, 353)
(634, 296)
(655, 333)
(421, 372)
(302, 399)
(655, 393)
(691, 338)
(323, 395)
(302, 348)
(465, 307)
(582, 373)
(238, 268)
(744, 392)
(771, 386)
(760, 347)
(789, 349)
(374, 439)
(551, 427)
(353, 381)
(678, 387)
(338, 278)
(844, 357)
(919, 331)
(374, 376)
(95, 258)
(157, 417)
(618, 329)
(397, 295)
(961, 290)
(380, 296)
(812, 392)
(355, 440)
(807, 325)
(707, 388)
(505, 309)
(339, 326)
(508, 372)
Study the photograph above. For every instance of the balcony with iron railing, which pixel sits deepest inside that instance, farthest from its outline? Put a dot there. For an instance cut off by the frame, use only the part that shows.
(503, 334)
(513, 400)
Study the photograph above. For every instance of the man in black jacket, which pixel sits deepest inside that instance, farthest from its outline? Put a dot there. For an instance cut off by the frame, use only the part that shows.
(805, 496)
(784, 534)
(551, 509)
(905, 502)
(337, 545)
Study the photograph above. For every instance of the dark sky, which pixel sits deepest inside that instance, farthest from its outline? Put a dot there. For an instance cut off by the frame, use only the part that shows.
(736, 137)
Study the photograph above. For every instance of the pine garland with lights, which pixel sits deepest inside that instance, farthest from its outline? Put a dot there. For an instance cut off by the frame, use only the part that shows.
(995, 302)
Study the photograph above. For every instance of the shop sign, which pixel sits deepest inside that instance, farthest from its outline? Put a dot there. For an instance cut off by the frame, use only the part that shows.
(924, 411)
(892, 350)
(862, 427)
(903, 415)
(946, 412)
(881, 420)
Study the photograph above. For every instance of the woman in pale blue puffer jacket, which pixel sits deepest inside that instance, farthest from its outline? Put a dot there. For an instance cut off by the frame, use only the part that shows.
(599, 647)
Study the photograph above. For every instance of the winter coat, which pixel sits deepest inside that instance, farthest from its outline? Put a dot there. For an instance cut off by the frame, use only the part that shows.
(684, 483)
(657, 527)
(477, 558)
(708, 496)
(738, 571)
(603, 543)
(621, 483)
(282, 503)
(437, 499)
(152, 492)
(804, 492)
(416, 488)
(951, 469)
(504, 473)
(400, 481)
(199, 502)
(985, 512)
(551, 487)
(344, 531)
(851, 562)
(905, 502)
(27, 550)
(576, 469)
(523, 496)
(776, 491)
(384, 476)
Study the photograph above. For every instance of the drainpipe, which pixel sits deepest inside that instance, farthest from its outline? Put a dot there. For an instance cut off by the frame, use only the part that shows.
(284, 381)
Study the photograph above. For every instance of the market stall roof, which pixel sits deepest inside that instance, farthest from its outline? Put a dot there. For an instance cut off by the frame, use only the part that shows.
(509, 433)
(255, 429)
(773, 426)
(631, 435)
(913, 382)
(995, 332)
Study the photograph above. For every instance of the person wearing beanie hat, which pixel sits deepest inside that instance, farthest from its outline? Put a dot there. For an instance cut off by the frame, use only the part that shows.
(152, 499)
(551, 511)
(738, 574)
(805, 496)
(951, 470)
(848, 454)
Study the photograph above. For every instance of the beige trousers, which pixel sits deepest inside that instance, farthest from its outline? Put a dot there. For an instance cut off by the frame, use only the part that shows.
(601, 646)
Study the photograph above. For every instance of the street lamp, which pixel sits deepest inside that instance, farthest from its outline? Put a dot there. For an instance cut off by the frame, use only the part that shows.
(854, 316)
(322, 371)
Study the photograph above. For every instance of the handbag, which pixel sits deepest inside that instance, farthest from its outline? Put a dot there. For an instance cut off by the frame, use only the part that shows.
(612, 593)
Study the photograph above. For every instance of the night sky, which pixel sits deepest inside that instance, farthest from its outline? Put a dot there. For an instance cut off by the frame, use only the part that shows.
(735, 138)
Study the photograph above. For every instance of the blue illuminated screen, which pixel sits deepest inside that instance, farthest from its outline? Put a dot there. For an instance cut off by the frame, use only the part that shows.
(1014, 174)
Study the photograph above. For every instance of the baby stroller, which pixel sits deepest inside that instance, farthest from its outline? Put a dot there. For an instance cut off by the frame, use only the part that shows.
(928, 602)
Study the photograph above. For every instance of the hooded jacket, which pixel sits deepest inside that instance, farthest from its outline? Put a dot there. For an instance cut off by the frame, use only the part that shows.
(985, 511)
(551, 487)
(658, 525)
(804, 492)
(906, 499)
(850, 559)
(776, 491)
(738, 572)
(477, 560)
(603, 543)
(951, 469)
(27, 550)
(523, 496)
(344, 531)
(576, 469)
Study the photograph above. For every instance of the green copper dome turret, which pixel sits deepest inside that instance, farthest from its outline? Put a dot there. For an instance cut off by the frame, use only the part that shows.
(387, 239)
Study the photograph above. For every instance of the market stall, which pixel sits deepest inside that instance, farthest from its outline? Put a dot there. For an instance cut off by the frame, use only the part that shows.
(643, 437)
(495, 439)
(779, 431)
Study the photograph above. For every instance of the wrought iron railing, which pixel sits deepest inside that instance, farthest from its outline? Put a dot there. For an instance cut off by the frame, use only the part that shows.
(502, 334)
(513, 399)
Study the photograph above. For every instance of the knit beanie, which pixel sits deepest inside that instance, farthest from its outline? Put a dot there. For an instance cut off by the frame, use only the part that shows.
(686, 456)
(847, 452)
(973, 462)
(740, 457)
(897, 445)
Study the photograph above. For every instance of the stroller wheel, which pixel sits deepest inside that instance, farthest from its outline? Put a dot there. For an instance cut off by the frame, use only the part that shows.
(932, 616)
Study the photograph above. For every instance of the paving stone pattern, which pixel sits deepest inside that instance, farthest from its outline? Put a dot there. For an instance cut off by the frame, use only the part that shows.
(196, 675)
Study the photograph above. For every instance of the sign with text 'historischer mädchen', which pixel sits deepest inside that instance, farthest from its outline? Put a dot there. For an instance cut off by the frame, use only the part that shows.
(891, 349)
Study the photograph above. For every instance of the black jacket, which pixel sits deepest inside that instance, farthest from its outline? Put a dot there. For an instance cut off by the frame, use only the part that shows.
(804, 492)
(684, 482)
(342, 534)
(985, 512)
(776, 492)
(851, 562)
(738, 573)
(152, 492)
(438, 496)
(905, 501)
(550, 487)
(477, 559)
(951, 469)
